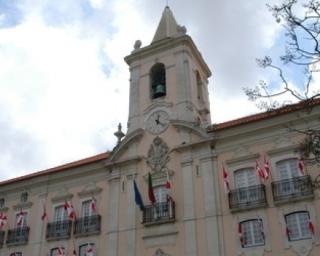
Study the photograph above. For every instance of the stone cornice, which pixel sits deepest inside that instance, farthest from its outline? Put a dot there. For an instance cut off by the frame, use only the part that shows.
(126, 142)
(167, 44)
(241, 159)
(4, 209)
(276, 151)
(123, 162)
(190, 126)
(19, 206)
(61, 197)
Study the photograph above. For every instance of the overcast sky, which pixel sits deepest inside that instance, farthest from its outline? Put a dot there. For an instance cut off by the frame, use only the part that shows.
(64, 84)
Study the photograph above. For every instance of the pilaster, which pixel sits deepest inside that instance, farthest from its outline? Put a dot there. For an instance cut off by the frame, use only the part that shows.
(131, 217)
(113, 213)
(212, 205)
(188, 208)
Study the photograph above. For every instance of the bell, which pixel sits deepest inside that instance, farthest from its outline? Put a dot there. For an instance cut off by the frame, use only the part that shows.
(159, 91)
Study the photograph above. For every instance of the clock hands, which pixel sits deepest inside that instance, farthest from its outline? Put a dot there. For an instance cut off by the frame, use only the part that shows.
(158, 122)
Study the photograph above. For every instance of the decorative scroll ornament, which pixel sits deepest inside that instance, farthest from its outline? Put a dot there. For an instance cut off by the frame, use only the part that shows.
(158, 155)
(159, 252)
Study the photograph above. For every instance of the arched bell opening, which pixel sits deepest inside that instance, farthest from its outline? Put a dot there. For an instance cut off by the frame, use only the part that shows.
(158, 81)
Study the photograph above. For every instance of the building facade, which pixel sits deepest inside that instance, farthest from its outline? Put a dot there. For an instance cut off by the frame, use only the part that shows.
(234, 188)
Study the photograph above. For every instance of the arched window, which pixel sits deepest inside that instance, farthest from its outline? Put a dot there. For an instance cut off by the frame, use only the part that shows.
(158, 81)
(252, 233)
(88, 249)
(298, 226)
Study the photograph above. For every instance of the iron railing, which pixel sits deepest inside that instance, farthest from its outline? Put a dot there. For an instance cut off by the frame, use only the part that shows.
(294, 188)
(88, 225)
(18, 235)
(59, 230)
(247, 197)
(159, 213)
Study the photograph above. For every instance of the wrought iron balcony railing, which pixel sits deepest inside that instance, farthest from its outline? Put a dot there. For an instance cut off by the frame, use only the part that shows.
(59, 230)
(159, 213)
(88, 225)
(292, 189)
(247, 197)
(18, 236)
(2, 234)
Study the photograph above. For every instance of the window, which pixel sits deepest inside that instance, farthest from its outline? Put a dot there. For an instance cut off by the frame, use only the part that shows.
(21, 219)
(161, 207)
(287, 169)
(245, 178)
(16, 254)
(60, 214)
(298, 226)
(252, 231)
(86, 210)
(2, 202)
(88, 249)
(24, 197)
(158, 81)
(57, 251)
(199, 88)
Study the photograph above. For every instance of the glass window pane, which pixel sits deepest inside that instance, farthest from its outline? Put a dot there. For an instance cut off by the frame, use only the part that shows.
(287, 169)
(298, 225)
(85, 210)
(252, 233)
(245, 178)
(60, 214)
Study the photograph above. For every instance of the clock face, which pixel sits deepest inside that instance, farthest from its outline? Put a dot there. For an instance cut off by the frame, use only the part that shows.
(157, 122)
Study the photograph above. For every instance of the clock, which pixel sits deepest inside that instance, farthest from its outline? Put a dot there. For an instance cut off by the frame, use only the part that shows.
(157, 122)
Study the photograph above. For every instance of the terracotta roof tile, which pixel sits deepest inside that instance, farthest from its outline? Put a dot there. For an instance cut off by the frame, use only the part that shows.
(64, 167)
(264, 115)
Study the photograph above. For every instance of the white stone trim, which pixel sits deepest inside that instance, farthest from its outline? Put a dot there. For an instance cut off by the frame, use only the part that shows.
(257, 250)
(300, 247)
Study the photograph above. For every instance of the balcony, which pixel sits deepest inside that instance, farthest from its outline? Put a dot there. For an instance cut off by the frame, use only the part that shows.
(2, 234)
(89, 225)
(159, 213)
(292, 189)
(18, 236)
(247, 198)
(59, 230)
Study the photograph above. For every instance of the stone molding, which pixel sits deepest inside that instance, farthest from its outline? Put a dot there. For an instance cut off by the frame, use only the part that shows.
(61, 196)
(279, 151)
(247, 158)
(89, 190)
(113, 175)
(25, 205)
(4, 209)
(159, 252)
(126, 142)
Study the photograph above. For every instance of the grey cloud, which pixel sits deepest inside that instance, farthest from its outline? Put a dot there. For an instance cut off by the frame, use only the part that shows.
(20, 151)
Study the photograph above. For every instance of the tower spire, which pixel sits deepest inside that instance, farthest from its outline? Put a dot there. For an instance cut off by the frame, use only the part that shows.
(167, 27)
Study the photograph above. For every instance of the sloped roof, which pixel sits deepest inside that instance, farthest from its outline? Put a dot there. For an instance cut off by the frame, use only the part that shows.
(264, 115)
(64, 167)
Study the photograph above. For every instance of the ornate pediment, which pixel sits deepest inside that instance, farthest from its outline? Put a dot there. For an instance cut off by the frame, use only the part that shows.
(158, 155)
(159, 252)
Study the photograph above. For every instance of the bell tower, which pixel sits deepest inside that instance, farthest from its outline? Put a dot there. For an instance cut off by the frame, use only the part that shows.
(168, 75)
